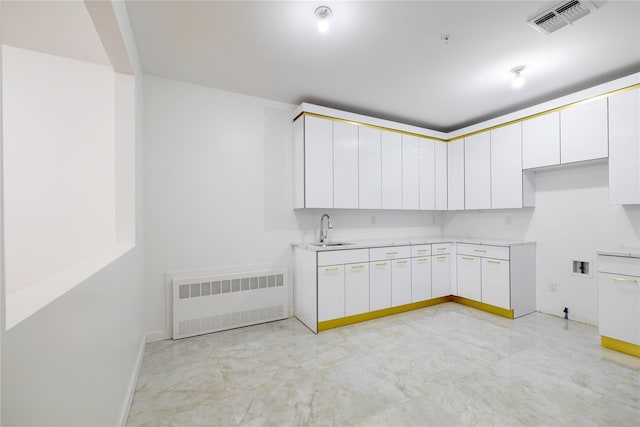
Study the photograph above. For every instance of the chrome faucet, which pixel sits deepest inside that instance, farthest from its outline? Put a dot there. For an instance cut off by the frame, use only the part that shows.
(324, 232)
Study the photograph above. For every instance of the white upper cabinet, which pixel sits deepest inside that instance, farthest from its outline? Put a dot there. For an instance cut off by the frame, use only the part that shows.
(506, 167)
(441, 175)
(541, 141)
(455, 175)
(427, 175)
(410, 172)
(345, 165)
(391, 170)
(318, 162)
(477, 171)
(624, 148)
(583, 132)
(370, 168)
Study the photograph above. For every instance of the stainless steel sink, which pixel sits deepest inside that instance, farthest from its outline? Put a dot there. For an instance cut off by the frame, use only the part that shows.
(330, 244)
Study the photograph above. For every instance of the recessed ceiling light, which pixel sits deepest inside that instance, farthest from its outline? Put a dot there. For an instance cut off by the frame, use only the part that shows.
(323, 13)
(518, 80)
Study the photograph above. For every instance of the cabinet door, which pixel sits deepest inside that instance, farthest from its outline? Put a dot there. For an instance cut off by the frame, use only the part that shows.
(427, 175)
(330, 292)
(379, 285)
(391, 170)
(541, 141)
(477, 171)
(410, 172)
(624, 148)
(469, 276)
(318, 162)
(441, 175)
(370, 168)
(400, 282)
(506, 167)
(356, 289)
(420, 279)
(455, 175)
(583, 132)
(495, 282)
(345, 165)
(440, 275)
(619, 307)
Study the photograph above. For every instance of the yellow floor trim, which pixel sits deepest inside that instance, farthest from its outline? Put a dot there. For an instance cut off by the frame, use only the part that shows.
(621, 346)
(484, 307)
(349, 320)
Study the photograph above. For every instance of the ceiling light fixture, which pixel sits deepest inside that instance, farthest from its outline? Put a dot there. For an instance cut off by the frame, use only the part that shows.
(518, 80)
(323, 13)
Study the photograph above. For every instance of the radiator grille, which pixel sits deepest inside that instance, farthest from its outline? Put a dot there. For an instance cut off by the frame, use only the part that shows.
(214, 303)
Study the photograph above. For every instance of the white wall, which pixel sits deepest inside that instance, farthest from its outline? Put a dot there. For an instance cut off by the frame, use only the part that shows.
(219, 193)
(572, 220)
(58, 163)
(75, 361)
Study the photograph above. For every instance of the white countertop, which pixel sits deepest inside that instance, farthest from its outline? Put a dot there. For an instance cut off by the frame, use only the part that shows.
(405, 241)
(631, 252)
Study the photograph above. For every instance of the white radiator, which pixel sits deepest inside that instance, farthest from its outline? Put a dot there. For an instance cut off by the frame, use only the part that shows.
(218, 302)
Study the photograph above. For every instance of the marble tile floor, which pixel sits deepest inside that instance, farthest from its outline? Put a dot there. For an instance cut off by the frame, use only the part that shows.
(446, 365)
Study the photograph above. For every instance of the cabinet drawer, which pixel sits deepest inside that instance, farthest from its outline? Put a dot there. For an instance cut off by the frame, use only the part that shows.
(441, 248)
(391, 252)
(420, 250)
(484, 251)
(619, 265)
(348, 256)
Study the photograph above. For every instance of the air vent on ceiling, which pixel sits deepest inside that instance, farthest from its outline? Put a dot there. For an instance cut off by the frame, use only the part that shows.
(560, 15)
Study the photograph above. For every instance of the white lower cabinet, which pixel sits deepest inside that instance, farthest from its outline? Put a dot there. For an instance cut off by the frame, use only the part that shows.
(379, 285)
(356, 289)
(420, 278)
(330, 292)
(503, 276)
(334, 284)
(440, 275)
(400, 282)
(495, 282)
(619, 298)
(469, 277)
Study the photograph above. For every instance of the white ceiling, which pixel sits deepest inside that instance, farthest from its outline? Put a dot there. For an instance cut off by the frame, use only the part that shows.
(62, 28)
(387, 59)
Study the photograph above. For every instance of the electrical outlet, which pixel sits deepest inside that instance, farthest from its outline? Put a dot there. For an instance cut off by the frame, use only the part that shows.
(553, 287)
(507, 220)
(373, 220)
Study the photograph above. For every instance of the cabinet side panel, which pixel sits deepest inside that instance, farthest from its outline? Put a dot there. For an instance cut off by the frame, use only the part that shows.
(305, 294)
(523, 279)
(298, 163)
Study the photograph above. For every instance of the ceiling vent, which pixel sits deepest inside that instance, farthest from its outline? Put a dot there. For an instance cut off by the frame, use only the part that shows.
(560, 15)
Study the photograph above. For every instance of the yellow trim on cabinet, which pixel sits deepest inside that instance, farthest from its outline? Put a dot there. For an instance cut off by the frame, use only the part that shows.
(357, 318)
(621, 346)
(485, 307)
(510, 122)
(352, 122)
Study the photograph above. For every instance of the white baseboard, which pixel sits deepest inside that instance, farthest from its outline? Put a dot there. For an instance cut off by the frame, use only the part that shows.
(133, 382)
(158, 336)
